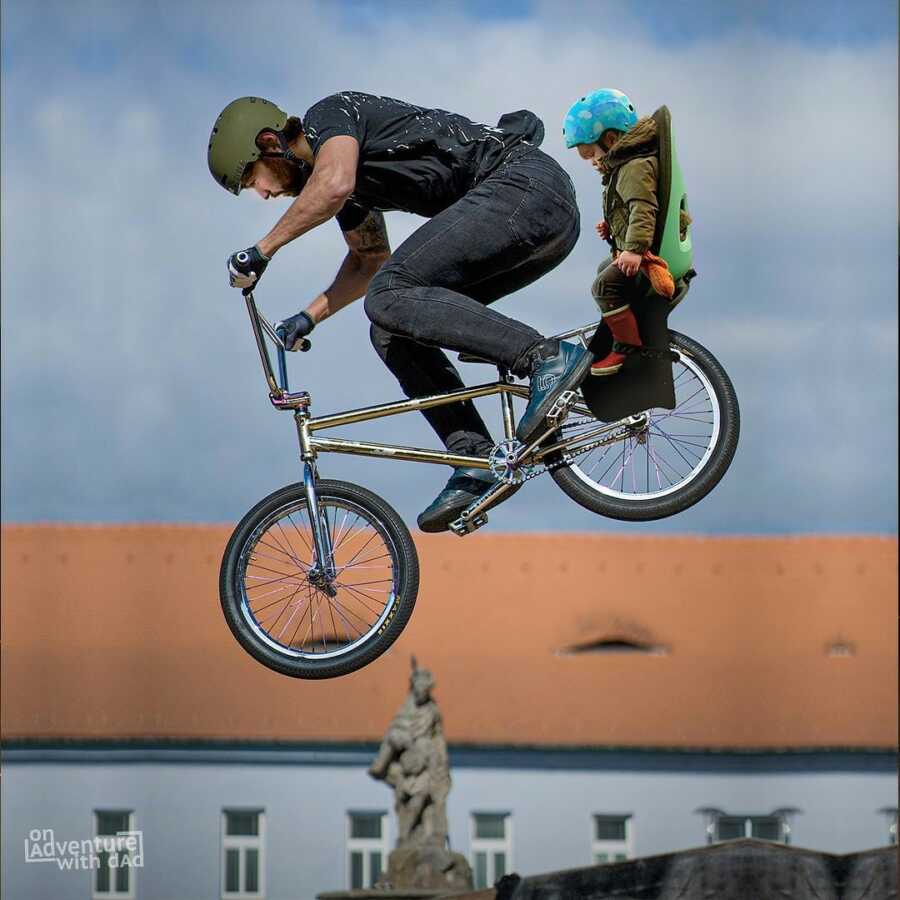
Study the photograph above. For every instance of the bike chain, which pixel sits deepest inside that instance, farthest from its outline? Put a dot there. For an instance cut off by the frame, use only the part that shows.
(567, 458)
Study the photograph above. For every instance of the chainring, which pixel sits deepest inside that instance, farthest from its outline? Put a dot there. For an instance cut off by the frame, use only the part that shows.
(502, 468)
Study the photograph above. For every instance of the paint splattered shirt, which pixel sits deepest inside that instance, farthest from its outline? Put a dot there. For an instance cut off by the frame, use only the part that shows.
(412, 158)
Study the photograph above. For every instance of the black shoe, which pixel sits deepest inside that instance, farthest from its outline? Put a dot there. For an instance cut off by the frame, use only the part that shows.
(464, 487)
(553, 375)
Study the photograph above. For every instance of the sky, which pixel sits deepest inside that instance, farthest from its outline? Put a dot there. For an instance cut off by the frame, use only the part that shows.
(131, 388)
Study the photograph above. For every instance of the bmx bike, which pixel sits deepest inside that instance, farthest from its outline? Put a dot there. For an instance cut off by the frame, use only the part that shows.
(320, 577)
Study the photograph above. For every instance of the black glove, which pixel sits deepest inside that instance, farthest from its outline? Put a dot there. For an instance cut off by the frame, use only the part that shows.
(294, 328)
(246, 267)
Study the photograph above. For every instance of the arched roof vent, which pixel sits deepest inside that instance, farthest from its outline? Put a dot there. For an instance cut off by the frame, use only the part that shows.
(614, 644)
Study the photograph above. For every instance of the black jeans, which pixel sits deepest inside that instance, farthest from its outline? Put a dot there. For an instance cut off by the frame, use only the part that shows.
(434, 291)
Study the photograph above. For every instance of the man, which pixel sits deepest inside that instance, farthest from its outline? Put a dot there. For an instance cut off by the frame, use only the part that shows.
(501, 214)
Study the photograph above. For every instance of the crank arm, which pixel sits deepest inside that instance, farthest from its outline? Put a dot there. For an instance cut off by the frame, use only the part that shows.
(472, 516)
(555, 417)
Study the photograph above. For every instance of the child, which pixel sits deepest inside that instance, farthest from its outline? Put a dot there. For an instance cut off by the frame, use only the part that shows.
(606, 130)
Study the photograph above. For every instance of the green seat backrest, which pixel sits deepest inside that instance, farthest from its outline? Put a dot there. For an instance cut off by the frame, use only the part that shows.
(667, 242)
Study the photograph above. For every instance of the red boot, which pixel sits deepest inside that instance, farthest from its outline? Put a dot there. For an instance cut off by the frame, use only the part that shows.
(624, 328)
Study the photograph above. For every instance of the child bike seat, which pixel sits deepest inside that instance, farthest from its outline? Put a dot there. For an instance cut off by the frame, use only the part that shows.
(667, 239)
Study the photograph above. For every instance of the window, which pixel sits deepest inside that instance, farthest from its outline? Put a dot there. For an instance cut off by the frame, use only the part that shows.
(367, 848)
(611, 839)
(765, 828)
(243, 858)
(491, 836)
(115, 875)
(774, 826)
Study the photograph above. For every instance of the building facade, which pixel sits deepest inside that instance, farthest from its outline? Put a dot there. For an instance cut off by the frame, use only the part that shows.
(748, 689)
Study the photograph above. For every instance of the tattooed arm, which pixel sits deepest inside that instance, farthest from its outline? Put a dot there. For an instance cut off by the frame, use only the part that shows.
(368, 250)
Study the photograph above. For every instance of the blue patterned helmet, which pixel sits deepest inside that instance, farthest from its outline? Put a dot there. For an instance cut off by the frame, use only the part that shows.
(590, 116)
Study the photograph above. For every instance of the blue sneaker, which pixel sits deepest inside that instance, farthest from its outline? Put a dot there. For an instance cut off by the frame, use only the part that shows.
(464, 487)
(553, 374)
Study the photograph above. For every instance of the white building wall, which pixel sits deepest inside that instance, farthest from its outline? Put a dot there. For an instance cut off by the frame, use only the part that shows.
(178, 807)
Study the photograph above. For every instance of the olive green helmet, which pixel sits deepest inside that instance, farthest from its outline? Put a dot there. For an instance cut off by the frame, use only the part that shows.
(232, 144)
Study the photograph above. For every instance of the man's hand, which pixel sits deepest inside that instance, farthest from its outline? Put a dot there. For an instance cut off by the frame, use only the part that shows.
(629, 262)
(246, 267)
(603, 229)
(296, 327)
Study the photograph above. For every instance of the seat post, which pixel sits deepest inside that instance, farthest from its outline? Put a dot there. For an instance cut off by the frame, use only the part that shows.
(506, 406)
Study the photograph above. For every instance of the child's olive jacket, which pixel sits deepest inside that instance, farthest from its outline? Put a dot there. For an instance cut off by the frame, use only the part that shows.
(630, 181)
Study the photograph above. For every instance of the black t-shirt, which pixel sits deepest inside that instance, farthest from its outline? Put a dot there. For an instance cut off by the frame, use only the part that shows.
(411, 158)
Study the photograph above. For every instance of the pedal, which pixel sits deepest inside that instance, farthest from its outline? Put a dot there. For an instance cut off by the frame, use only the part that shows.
(461, 527)
(561, 407)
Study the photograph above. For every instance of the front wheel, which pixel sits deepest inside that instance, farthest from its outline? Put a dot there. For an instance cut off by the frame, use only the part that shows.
(668, 459)
(294, 621)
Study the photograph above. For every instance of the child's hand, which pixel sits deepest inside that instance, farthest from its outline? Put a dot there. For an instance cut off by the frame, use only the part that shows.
(603, 229)
(628, 262)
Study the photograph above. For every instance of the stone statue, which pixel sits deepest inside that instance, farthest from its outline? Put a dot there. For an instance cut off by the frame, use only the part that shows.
(413, 761)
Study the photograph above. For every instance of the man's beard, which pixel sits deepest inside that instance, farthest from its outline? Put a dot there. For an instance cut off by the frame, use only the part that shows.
(291, 176)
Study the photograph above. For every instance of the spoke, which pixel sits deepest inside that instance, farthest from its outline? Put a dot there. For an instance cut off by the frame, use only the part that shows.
(298, 607)
(366, 544)
(381, 581)
(633, 473)
(300, 621)
(255, 553)
(271, 581)
(624, 463)
(256, 565)
(600, 480)
(350, 612)
(337, 608)
(259, 609)
(698, 391)
(287, 605)
(291, 556)
(324, 643)
(598, 460)
(312, 626)
(309, 543)
(647, 455)
(679, 440)
(336, 540)
(655, 466)
(353, 532)
(686, 418)
(362, 563)
(359, 599)
(687, 462)
(287, 541)
(659, 472)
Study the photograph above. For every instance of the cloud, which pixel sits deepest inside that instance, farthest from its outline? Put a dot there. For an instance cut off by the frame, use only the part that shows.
(131, 385)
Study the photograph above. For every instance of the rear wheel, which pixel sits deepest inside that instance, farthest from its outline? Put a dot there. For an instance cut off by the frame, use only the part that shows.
(290, 619)
(668, 459)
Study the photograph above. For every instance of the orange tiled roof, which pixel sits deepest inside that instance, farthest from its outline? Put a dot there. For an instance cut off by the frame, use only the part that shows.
(115, 632)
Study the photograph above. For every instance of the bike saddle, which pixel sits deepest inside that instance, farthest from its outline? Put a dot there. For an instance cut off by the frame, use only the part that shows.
(471, 357)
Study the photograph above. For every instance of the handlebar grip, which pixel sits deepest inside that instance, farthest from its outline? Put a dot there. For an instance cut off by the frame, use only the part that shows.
(303, 344)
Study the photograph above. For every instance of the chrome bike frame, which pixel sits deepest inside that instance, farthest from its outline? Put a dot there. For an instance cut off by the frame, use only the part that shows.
(310, 446)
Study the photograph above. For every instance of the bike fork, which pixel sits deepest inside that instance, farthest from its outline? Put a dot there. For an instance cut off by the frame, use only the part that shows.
(324, 569)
